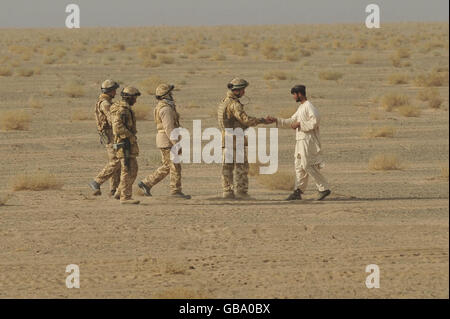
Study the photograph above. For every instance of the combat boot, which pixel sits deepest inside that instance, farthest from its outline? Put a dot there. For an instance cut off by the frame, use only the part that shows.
(180, 194)
(112, 192)
(145, 188)
(129, 201)
(117, 194)
(228, 195)
(296, 195)
(323, 194)
(96, 188)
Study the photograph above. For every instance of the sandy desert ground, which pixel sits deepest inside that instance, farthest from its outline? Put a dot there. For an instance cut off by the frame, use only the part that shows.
(380, 92)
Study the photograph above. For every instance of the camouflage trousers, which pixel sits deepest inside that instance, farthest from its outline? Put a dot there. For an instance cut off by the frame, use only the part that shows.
(240, 171)
(127, 177)
(167, 167)
(111, 170)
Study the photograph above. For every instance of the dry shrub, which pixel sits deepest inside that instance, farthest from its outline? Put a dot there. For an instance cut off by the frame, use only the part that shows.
(182, 293)
(403, 53)
(82, 115)
(277, 181)
(5, 71)
(49, 60)
(174, 268)
(305, 53)
(396, 61)
(25, 72)
(190, 49)
(35, 103)
(275, 75)
(398, 79)
(74, 90)
(409, 111)
(291, 57)
(218, 57)
(269, 51)
(431, 79)
(385, 131)
(141, 112)
(427, 94)
(36, 181)
(355, 58)
(151, 63)
(384, 162)
(239, 49)
(4, 199)
(435, 102)
(330, 75)
(118, 47)
(165, 59)
(98, 49)
(444, 172)
(15, 120)
(393, 100)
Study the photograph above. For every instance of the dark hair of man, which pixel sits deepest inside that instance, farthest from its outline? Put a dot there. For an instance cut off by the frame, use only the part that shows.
(299, 89)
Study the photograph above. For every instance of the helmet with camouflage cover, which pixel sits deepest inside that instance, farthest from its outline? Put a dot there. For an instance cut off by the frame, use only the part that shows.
(130, 91)
(109, 85)
(163, 89)
(237, 84)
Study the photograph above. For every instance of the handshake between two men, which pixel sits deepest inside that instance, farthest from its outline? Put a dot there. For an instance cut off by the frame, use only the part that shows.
(270, 119)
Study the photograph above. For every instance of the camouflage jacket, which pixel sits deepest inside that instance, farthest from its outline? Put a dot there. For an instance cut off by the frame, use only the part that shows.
(231, 114)
(124, 126)
(167, 119)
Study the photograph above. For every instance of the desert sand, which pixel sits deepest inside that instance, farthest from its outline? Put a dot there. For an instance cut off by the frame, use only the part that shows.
(208, 247)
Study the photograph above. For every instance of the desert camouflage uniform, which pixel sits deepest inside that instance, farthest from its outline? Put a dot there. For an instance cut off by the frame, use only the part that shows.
(124, 126)
(231, 114)
(112, 168)
(167, 118)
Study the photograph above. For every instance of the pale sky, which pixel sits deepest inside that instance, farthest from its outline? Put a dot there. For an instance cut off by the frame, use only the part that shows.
(51, 13)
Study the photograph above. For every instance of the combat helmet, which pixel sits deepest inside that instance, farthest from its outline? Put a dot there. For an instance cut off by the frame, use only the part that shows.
(237, 84)
(109, 85)
(130, 91)
(163, 89)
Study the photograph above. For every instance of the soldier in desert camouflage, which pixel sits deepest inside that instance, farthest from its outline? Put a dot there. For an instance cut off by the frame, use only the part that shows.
(125, 142)
(102, 115)
(167, 119)
(231, 115)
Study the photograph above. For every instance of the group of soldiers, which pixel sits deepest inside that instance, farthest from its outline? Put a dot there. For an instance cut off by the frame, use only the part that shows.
(116, 124)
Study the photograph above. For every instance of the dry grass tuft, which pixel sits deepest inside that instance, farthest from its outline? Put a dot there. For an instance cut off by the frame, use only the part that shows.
(427, 94)
(151, 83)
(35, 103)
(330, 75)
(431, 79)
(5, 71)
(355, 58)
(37, 181)
(409, 111)
(385, 131)
(392, 100)
(384, 162)
(4, 199)
(74, 90)
(82, 115)
(275, 75)
(435, 102)
(15, 120)
(25, 72)
(142, 112)
(444, 172)
(398, 79)
(277, 181)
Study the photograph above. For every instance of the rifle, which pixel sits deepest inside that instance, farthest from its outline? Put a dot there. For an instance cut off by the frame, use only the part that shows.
(126, 146)
(104, 139)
